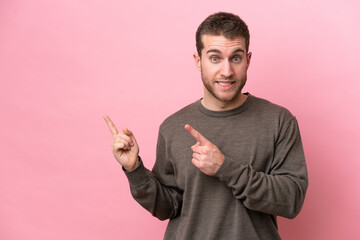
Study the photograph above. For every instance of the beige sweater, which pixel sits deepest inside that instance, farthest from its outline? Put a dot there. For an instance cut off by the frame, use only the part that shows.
(264, 174)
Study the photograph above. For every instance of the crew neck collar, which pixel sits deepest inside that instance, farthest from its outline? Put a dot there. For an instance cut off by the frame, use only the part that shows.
(225, 113)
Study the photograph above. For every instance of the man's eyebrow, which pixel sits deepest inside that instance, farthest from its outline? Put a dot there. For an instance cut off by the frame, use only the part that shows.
(239, 50)
(218, 51)
(213, 50)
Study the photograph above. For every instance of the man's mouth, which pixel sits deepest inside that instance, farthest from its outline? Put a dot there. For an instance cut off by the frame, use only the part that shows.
(225, 84)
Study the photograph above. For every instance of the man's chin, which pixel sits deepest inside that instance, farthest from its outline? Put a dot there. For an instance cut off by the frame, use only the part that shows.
(228, 98)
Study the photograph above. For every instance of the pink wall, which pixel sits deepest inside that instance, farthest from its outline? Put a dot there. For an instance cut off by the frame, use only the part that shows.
(63, 64)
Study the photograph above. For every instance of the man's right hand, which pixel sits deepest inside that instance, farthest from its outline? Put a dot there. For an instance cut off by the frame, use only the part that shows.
(124, 146)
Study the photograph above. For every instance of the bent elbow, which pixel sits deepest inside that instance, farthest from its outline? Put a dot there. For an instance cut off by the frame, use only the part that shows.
(296, 207)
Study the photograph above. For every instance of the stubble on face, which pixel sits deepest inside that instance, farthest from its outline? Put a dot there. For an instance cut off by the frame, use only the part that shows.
(223, 65)
(232, 98)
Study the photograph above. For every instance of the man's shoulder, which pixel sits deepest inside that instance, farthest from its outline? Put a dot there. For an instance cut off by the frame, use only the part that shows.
(180, 117)
(268, 108)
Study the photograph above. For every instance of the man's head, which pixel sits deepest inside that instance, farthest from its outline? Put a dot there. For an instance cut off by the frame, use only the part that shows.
(223, 59)
(226, 24)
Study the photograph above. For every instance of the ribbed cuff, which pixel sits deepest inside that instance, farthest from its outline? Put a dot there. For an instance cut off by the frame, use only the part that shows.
(230, 173)
(139, 175)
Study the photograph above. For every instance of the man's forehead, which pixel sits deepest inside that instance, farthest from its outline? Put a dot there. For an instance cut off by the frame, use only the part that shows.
(221, 42)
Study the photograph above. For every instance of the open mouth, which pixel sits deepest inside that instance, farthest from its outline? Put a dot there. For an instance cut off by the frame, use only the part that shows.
(225, 85)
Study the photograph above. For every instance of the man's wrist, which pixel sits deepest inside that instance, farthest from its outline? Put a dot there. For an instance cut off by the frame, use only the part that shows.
(137, 164)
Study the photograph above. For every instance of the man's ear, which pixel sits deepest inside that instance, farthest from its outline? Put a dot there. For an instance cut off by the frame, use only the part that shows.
(248, 59)
(197, 61)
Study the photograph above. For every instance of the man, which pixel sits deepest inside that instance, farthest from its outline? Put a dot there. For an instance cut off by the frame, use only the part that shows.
(242, 166)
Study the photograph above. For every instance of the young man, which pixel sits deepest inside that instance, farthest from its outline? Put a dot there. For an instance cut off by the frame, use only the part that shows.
(242, 166)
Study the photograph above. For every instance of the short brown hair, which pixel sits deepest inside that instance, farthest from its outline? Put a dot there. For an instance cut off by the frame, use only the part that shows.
(222, 23)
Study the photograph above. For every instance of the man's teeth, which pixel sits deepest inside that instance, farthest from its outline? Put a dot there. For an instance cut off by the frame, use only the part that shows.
(225, 83)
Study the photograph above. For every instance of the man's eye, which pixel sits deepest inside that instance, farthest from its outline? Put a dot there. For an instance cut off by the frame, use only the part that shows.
(236, 59)
(214, 59)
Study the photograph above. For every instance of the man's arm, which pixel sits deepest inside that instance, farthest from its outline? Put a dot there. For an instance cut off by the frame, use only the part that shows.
(157, 190)
(281, 192)
(149, 191)
(162, 201)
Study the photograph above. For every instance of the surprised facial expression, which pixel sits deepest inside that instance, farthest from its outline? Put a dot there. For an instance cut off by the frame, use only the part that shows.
(223, 65)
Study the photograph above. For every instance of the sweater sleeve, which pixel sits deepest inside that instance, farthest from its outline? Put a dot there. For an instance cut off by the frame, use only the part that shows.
(156, 190)
(281, 192)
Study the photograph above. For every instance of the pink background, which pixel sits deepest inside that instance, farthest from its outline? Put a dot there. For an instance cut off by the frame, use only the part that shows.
(63, 64)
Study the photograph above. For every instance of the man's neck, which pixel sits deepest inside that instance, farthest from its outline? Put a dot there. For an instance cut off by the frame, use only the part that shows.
(217, 105)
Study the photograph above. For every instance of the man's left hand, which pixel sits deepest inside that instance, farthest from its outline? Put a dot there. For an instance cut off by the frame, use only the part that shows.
(207, 156)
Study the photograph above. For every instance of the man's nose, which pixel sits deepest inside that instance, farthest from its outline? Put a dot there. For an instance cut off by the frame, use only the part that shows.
(226, 69)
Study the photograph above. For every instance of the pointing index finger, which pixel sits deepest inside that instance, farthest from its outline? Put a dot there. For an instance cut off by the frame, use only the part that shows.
(200, 138)
(111, 125)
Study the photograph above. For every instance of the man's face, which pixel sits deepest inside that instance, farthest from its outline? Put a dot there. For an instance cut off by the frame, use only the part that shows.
(223, 65)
